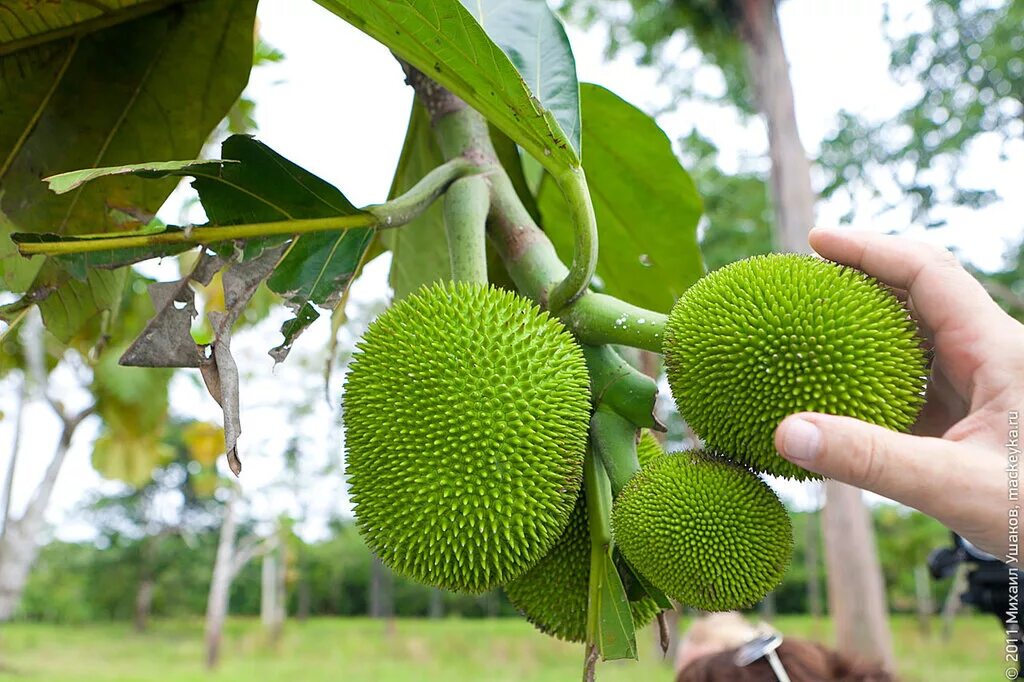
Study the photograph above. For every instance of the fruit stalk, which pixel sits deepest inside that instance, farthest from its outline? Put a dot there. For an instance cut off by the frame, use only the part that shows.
(613, 439)
(465, 217)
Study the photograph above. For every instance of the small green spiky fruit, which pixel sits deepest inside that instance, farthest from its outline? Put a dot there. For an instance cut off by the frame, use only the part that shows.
(553, 595)
(648, 449)
(704, 531)
(466, 413)
(769, 336)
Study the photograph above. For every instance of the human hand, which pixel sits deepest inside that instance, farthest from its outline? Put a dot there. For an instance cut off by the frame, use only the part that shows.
(960, 466)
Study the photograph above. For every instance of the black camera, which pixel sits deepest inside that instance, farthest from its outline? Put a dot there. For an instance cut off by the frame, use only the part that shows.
(992, 587)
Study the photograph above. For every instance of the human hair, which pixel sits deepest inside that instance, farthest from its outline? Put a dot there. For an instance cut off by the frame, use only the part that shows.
(804, 662)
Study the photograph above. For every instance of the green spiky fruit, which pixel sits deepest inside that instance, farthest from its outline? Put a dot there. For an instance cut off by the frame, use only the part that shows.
(466, 413)
(705, 531)
(553, 594)
(769, 336)
(648, 448)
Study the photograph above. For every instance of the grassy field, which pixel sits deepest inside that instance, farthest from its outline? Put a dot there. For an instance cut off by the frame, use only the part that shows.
(357, 650)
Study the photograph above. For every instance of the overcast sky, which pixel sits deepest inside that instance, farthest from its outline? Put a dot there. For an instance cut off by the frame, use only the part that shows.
(337, 105)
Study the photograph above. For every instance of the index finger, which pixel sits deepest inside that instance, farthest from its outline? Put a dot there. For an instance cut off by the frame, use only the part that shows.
(945, 295)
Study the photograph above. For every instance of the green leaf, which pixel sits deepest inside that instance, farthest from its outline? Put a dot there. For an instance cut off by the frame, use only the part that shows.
(266, 187)
(443, 40)
(616, 633)
(533, 38)
(647, 206)
(419, 250)
(77, 304)
(65, 182)
(149, 88)
(27, 23)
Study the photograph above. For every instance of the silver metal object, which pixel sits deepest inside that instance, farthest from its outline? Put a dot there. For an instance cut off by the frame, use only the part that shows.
(762, 646)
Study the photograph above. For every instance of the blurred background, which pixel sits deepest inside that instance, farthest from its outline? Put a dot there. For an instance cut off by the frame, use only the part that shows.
(116, 500)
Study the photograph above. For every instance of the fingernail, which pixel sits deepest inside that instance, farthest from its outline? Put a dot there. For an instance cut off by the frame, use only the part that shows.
(801, 440)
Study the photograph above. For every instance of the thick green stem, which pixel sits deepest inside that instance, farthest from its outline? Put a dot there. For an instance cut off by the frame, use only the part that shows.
(622, 387)
(525, 250)
(394, 213)
(613, 438)
(465, 217)
(600, 318)
(573, 184)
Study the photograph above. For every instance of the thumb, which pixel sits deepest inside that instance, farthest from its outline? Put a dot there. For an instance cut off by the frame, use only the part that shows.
(896, 465)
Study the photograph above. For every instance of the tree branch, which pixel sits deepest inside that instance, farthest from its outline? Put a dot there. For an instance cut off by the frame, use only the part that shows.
(526, 251)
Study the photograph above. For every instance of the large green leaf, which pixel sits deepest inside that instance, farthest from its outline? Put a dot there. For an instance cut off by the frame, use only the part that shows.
(419, 250)
(443, 40)
(266, 187)
(647, 206)
(150, 88)
(533, 38)
(28, 23)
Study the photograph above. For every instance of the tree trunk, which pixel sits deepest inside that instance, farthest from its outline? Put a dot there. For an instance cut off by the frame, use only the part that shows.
(18, 546)
(280, 588)
(268, 591)
(143, 603)
(923, 592)
(812, 559)
(435, 609)
(855, 588)
(769, 76)
(767, 607)
(953, 602)
(381, 603)
(5, 493)
(220, 584)
(856, 598)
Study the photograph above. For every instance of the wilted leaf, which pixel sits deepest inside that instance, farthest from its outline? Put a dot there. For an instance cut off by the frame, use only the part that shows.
(240, 281)
(167, 339)
(647, 206)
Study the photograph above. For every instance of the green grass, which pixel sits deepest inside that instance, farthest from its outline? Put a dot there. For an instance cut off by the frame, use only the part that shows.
(355, 650)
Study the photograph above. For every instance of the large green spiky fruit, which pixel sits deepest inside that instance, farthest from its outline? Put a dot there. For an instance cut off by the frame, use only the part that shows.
(466, 411)
(648, 449)
(704, 531)
(768, 336)
(553, 595)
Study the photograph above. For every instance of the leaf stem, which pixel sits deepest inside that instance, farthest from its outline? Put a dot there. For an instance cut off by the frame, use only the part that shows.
(394, 213)
(465, 217)
(199, 235)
